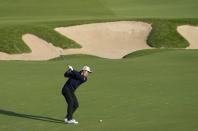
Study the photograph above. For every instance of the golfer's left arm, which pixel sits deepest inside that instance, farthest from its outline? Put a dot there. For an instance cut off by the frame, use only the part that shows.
(68, 73)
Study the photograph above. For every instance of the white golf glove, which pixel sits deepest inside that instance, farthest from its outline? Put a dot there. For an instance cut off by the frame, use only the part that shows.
(70, 67)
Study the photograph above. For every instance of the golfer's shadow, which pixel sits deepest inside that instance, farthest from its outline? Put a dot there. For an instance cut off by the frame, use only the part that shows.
(32, 117)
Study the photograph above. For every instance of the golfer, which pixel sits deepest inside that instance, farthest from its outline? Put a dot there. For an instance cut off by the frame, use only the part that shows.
(75, 79)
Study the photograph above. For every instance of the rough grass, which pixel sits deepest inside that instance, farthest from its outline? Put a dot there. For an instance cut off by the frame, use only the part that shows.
(11, 37)
(165, 35)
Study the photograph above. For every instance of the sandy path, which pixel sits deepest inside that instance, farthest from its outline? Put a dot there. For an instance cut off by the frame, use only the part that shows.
(108, 40)
(41, 50)
(190, 33)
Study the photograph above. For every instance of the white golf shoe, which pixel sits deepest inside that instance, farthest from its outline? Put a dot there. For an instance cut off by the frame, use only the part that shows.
(72, 121)
(65, 120)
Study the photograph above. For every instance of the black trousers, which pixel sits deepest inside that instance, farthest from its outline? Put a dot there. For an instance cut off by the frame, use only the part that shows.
(71, 100)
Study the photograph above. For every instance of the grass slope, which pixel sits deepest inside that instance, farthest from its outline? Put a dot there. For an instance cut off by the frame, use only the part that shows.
(152, 92)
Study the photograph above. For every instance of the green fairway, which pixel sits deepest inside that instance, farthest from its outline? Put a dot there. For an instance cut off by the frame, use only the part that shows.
(45, 10)
(143, 92)
(149, 90)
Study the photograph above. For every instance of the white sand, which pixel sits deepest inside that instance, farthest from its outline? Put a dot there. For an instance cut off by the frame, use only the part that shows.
(190, 33)
(108, 40)
(41, 50)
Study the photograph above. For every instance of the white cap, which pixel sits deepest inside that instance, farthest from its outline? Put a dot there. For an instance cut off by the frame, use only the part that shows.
(87, 68)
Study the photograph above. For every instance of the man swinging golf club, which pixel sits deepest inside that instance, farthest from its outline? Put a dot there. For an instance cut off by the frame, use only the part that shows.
(75, 79)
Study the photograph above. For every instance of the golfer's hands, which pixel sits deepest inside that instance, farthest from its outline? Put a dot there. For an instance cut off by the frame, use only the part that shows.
(70, 68)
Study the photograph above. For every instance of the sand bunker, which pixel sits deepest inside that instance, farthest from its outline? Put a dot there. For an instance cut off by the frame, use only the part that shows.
(41, 50)
(190, 33)
(108, 40)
